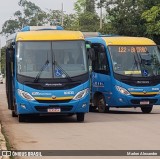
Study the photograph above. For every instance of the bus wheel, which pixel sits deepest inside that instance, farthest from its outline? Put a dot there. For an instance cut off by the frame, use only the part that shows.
(21, 118)
(101, 104)
(92, 108)
(80, 117)
(147, 109)
(70, 114)
(14, 114)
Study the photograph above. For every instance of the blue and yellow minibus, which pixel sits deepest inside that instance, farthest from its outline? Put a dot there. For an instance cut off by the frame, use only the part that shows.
(125, 73)
(47, 73)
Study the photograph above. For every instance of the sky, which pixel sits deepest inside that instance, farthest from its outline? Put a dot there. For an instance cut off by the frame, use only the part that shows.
(9, 7)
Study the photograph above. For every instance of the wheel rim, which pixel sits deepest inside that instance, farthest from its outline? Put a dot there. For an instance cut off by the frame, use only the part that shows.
(101, 105)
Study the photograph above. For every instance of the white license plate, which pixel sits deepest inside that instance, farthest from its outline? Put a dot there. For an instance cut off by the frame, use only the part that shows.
(54, 110)
(144, 102)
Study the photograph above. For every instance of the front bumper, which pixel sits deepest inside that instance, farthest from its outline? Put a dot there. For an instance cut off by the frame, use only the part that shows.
(131, 101)
(34, 107)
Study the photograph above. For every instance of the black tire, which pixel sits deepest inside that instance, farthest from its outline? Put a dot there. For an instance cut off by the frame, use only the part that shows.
(71, 114)
(147, 109)
(21, 118)
(14, 114)
(101, 104)
(80, 117)
(92, 108)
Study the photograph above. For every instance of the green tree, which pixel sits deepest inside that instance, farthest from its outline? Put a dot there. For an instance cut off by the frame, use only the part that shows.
(90, 6)
(71, 22)
(3, 59)
(54, 17)
(147, 5)
(152, 18)
(80, 6)
(88, 22)
(125, 17)
(88, 19)
(30, 15)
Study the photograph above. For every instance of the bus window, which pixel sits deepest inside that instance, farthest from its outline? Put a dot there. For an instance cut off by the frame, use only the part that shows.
(100, 64)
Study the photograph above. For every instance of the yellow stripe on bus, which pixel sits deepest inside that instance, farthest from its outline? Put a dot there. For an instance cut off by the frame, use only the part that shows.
(50, 98)
(144, 93)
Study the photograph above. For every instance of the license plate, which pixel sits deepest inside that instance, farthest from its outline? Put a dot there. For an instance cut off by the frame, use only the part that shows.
(54, 110)
(144, 102)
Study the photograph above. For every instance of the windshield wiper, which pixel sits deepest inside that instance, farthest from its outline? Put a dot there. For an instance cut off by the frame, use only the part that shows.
(58, 66)
(135, 65)
(41, 70)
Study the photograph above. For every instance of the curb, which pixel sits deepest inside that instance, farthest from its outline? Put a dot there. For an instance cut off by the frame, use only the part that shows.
(3, 144)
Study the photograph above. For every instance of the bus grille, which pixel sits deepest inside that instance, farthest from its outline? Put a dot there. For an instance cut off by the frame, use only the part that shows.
(152, 95)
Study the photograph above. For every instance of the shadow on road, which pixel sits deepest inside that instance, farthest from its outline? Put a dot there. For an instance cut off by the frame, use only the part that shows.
(124, 112)
(113, 115)
(51, 119)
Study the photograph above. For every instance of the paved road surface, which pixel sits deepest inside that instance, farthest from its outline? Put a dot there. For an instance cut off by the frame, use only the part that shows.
(121, 129)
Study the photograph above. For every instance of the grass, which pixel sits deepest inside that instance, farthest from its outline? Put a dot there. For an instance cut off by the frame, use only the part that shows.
(8, 146)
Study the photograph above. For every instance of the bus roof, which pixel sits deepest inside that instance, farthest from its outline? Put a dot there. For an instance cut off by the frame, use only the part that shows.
(122, 40)
(46, 35)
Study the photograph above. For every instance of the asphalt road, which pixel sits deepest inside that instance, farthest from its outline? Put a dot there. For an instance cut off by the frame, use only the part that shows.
(121, 129)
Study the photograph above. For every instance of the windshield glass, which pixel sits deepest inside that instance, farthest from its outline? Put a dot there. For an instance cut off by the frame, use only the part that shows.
(57, 59)
(139, 61)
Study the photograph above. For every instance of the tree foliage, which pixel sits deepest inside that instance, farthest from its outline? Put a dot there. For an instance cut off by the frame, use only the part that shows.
(90, 6)
(33, 15)
(80, 6)
(88, 22)
(88, 19)
(30, 15)
(152, 18)
(3, 59)
(123, 17)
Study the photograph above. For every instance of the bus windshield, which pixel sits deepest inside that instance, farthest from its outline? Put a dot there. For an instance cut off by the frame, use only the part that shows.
(51, 59)
(138, 61)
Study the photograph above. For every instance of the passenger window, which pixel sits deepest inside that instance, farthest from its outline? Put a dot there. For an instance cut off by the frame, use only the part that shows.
(100, 65)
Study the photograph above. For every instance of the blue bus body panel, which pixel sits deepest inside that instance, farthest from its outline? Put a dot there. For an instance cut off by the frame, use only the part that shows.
(107, 86)
(77, 106)
(133, 100)
(97, 40)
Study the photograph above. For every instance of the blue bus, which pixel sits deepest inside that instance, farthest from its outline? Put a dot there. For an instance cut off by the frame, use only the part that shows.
(47, 73)
(125, 73)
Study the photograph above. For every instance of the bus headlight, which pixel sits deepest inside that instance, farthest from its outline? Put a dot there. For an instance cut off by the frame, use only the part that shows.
(122, 90)
(81, 94)
(25, 95)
